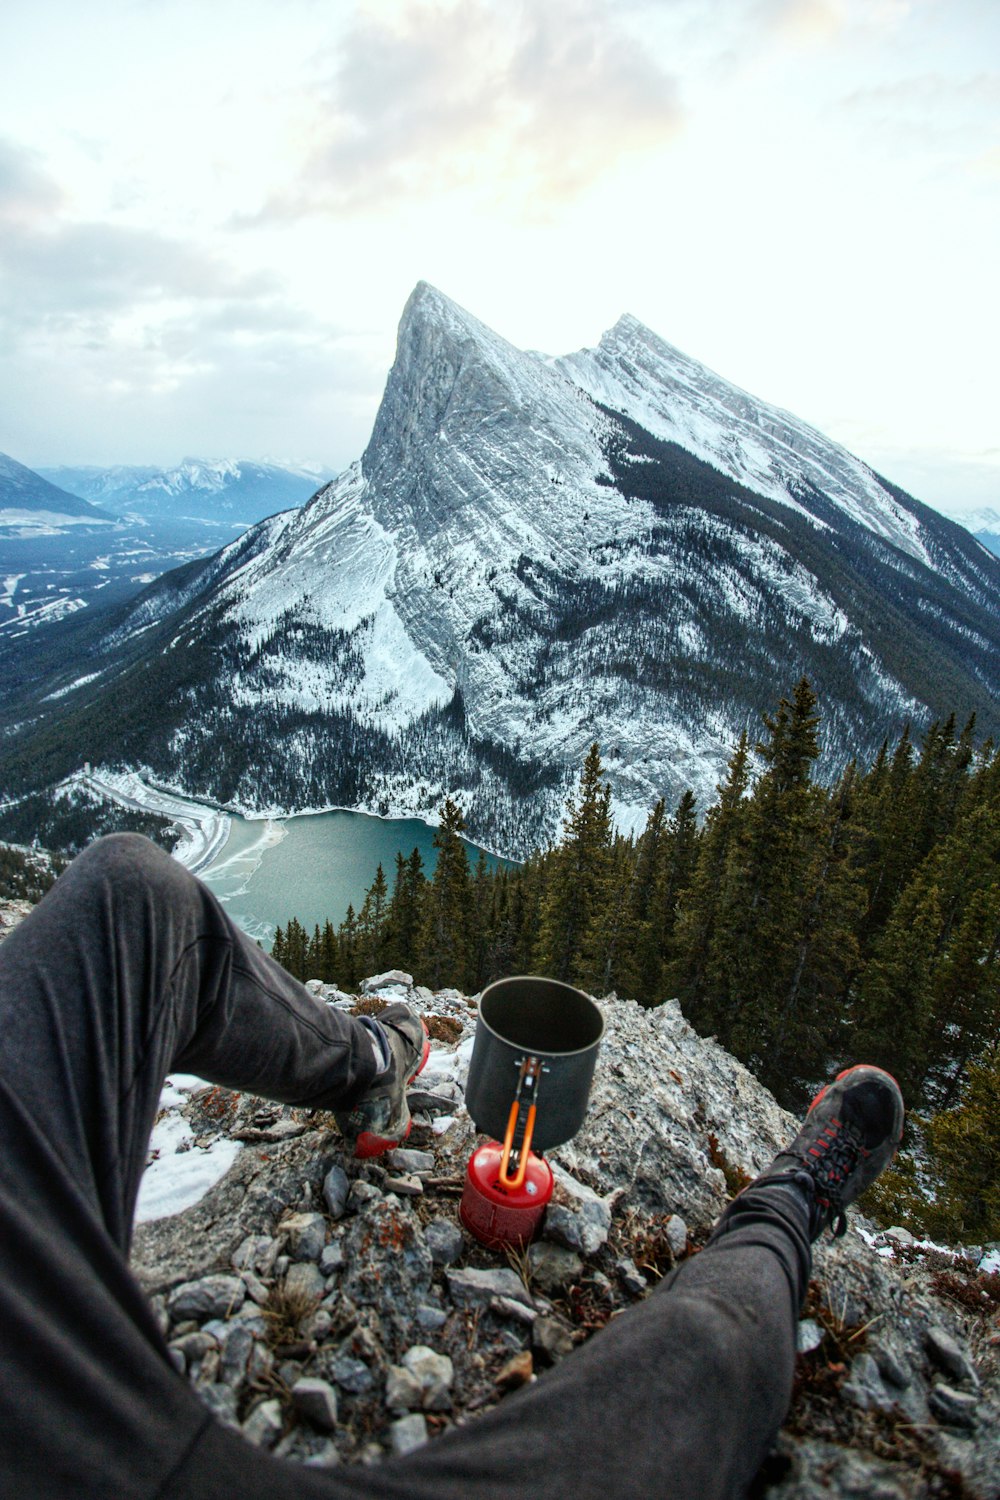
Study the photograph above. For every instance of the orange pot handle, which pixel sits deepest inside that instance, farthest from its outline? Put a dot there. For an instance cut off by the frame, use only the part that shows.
(505, 1181)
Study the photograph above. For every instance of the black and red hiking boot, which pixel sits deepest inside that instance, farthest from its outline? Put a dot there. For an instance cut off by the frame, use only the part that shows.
(381, 1118)
(850, 1134)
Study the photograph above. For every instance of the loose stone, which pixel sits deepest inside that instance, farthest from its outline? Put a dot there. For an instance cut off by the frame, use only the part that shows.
(352, 1374)
(304, 1280)
(332, 1258)
(408, 1433)
(326, 1457)
(405, 1187)
(949, 1356)
(809, 1336)
(434, 1373)
(306, 1235)
(507, 1307)
(584, 1223)
(405, 1159)
(954, 1408)
(865, 1387)
(235, 1355)
(517, 1371)
(553, 1267)
(336, 1186)
(362, 1193)
(403, 1391)
(631, 1277)
(473, 1288)
(316, 1400)
(263, 1426)
(209, 1297)
(677, 1235)
(551, 1339)
(194, 1346)
(892, 1367)
(390, 977)
(221, 1402)
(256, 1288)
(445, 1241)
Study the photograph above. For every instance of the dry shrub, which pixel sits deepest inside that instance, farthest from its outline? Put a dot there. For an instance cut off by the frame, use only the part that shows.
(368, 1005)
(736, 1178)
(977, 1294)
(442, 1028)
(287, 1309)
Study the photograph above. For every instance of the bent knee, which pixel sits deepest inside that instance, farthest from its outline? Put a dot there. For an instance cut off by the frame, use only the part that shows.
(120, 857)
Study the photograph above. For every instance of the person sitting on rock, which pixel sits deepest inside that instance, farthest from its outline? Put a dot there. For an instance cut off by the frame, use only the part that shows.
(129, 968)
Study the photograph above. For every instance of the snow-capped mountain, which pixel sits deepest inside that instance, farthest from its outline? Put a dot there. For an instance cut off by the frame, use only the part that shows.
(204, 489)
(29, 503)
(532, 554)
(984, 523)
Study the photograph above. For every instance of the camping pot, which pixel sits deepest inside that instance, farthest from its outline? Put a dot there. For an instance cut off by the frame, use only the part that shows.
(536, 1034)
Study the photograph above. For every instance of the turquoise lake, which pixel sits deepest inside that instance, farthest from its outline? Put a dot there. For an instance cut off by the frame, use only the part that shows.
(312, 867)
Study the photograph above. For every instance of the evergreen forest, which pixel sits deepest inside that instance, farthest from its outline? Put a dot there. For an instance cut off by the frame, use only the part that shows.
(804, 925)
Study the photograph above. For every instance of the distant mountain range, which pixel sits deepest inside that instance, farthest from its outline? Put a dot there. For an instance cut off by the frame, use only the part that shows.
(203, 489)
(532, 553)
(984, 523)
(30, 502)
(74, 538)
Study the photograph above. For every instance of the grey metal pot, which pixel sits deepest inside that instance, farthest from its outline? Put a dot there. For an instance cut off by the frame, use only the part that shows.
(525, 1017)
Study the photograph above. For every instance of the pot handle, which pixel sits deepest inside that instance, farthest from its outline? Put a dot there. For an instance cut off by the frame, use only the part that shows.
(527, 1085)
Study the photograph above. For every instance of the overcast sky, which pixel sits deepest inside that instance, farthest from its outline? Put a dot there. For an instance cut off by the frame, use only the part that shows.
(211, 214)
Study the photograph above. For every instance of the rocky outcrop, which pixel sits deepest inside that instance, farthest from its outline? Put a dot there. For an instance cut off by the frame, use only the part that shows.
(337, 1312)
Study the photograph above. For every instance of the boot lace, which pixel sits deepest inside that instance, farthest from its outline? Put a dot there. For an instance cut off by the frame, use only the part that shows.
(830, 1163)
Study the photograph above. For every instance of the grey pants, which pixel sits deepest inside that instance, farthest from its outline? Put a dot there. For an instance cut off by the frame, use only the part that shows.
(130, 968)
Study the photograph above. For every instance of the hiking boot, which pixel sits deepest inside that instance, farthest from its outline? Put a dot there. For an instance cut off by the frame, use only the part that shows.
(850, 1134)
(381, 1117)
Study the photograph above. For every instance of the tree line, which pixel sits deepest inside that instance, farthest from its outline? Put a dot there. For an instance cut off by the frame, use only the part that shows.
(803, 925)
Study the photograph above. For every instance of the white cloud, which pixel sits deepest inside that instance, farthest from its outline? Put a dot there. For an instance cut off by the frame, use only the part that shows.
(514, 103)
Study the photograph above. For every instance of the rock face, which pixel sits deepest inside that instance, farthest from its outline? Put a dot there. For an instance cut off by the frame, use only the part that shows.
(530, 555)
(301, 1272)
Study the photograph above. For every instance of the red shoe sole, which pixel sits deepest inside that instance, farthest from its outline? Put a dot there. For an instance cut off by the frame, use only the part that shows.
(367, 1144)
(844, 1074)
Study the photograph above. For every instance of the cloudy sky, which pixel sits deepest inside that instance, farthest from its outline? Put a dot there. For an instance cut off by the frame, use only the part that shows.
(211, 214)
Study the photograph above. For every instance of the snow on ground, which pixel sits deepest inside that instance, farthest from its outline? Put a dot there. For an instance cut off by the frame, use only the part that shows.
(203, 829)
(885, 1245)
(179, 1172)
(9, 589)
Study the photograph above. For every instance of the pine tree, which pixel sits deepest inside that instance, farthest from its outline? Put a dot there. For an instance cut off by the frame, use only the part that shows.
(372, 922)
(782, 943)
(445, 934)
(697, 924)
(347, 944)
(578, 875)
(278, 946)
(675, 878)
(405, 911)
(296, 945)
(641, 965)
(964, 1150)
(930, 998)
(612, 931)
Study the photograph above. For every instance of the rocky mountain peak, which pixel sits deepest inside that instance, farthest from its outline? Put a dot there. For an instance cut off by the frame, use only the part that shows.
(451, 374)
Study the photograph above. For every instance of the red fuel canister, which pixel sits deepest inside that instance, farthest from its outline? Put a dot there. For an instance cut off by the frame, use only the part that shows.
(504, 1216)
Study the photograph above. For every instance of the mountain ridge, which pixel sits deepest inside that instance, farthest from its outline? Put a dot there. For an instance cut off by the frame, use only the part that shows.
(514, 568)
(240, 490)
(24, 490)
